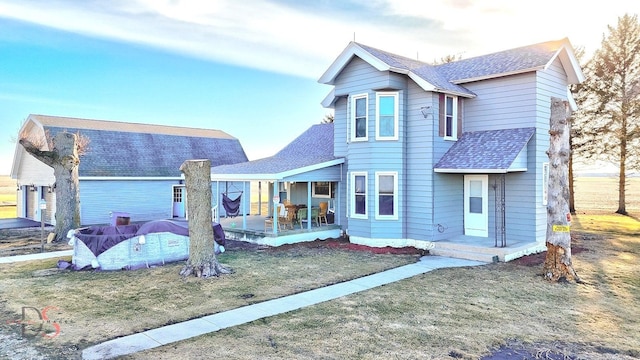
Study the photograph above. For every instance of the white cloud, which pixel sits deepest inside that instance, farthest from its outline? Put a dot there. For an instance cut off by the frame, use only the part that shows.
(296, 40)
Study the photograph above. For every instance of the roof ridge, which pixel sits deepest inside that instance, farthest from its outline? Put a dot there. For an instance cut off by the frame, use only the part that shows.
(122, 126)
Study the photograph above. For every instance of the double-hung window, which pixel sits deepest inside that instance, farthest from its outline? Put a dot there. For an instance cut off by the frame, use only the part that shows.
(359, 195)
(386, 195)
(387, 116)
(359, 117)
(451, 117)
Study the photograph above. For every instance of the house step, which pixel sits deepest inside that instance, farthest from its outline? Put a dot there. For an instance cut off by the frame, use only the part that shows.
(465, 254)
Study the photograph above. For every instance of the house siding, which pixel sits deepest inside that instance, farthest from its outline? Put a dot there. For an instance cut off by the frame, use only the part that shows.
(144, 200)
(373, 155)
(419, 182)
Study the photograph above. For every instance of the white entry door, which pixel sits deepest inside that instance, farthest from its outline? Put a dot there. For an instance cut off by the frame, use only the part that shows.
(476, 205)
(179, 201)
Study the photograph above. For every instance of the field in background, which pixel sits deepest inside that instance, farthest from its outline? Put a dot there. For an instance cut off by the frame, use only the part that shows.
(598, 194)
(7, 197)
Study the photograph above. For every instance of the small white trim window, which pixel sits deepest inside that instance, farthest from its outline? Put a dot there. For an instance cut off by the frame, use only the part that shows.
(387, 195)
(450, 117)
(387, 116)
(359, 117)
(359, 195)
(321, 189)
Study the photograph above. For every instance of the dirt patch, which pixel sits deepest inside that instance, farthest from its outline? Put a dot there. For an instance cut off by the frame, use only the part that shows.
(344, 244)
(577, 246)
(28, 241)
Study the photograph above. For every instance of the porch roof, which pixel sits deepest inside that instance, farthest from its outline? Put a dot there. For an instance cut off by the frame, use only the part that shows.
(487, 152)
(312, 150)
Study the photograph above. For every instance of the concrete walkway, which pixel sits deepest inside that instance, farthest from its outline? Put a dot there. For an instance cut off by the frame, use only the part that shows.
(181, 331)
(38, 256)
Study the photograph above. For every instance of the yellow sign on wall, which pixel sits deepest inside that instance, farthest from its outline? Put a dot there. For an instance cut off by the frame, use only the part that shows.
(561, 228)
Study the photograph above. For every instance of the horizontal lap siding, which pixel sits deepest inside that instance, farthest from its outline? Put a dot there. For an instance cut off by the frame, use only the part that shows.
(143, 200)
(501, 104)
(419, 174)
(552, 83)
(371, 156)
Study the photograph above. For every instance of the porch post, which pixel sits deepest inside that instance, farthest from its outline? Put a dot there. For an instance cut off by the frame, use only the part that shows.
(308, 205)
(244, 202)
(217, 205)
(276, 188)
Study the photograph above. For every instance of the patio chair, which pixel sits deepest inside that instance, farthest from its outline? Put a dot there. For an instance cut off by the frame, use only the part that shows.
(268, 222)
(287, 219)
(302, 216)
(322, 213)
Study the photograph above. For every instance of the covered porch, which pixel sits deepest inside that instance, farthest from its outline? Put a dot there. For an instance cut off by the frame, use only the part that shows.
(252, 229)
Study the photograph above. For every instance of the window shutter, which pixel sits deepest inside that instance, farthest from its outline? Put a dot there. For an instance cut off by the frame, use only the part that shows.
(441, 111)
(460, 110)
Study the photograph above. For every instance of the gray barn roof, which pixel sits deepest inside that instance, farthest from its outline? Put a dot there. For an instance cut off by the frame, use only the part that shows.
(118, 149)
(492, 151)
(312, 148)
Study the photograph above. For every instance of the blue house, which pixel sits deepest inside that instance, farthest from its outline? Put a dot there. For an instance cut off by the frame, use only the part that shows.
(447, 157)
(129, 169)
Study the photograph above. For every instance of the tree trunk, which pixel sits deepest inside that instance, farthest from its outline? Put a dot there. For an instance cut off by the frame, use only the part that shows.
(64, 160)
(202, 260)
(622, 179)
(558, 265)
(572, 201)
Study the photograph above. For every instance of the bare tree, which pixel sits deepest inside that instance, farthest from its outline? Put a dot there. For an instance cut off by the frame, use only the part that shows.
(558, 263)
(202, 260)
(62, 153)
(328, 119)
(612, 97)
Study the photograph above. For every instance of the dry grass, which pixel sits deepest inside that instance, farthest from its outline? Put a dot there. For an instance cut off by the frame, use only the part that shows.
(458, 313)
(96, 306)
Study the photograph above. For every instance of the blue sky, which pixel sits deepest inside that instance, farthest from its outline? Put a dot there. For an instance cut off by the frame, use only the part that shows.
(249, 68)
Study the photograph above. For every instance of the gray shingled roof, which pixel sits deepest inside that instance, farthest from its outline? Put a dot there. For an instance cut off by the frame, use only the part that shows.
(314, 146)
(486, 150)
(503, 62)
(427, 72)
(133, 154)
(446, 77)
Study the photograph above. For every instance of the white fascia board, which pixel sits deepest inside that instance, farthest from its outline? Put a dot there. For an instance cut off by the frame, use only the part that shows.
(470, 171)
(345, 57)
(312, 167)
(424, 85)
(570, 64)
(329, 100)
(277, 176)
(493, 76)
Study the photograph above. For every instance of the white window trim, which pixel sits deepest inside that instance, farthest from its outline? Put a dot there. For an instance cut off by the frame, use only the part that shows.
(395, 195)
(352, 195)
(454, 118)
(313, 190)
(394, 94)
(352, 120)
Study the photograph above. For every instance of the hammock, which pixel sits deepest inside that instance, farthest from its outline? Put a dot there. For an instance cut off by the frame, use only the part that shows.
(232, 207)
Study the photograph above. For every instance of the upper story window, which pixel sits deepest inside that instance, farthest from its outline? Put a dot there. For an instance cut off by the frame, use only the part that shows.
(387, 116)
(449, 117)
(359, 117)
(359, 195)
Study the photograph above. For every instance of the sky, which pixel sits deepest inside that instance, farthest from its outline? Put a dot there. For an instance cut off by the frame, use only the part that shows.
(249, 68)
